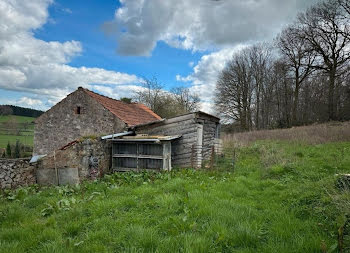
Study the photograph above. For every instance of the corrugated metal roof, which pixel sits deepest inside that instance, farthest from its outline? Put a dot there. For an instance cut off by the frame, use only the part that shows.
(36, 158)
(116, 135)
(151, 138)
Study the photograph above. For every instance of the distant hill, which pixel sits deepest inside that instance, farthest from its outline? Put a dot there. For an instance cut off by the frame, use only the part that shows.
(19, 111)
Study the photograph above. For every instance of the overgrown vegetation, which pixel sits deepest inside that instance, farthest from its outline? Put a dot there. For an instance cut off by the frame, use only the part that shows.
(17, 150)
(272, 196)
(313, 134)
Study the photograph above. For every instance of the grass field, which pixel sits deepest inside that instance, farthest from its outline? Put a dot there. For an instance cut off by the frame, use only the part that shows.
(26, 140)
(277, 197)
(20, 119)
(25, 136)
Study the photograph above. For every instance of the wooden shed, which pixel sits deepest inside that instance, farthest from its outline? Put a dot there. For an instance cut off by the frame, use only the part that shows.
(200, 137)
(142, 152)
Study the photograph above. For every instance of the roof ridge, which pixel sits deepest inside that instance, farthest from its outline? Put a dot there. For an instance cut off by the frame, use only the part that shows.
(127, 111)
(85, 89)
(136, 103)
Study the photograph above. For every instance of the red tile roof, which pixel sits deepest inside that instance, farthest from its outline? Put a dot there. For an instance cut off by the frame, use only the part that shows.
(132, 114)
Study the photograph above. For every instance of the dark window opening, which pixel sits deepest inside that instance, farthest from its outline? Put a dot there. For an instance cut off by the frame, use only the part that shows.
(78, 110)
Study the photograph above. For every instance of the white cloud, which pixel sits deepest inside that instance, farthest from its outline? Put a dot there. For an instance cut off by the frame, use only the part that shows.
(205, 74)
(39, 67)
(29, 102)
(118, 92)
(198, 24)
(25, 102)
(220, 27)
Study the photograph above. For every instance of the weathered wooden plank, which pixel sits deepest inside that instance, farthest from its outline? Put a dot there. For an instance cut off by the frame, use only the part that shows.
(166, 124)
(182, 163)
(207, 117)
(181, 118)
(185, 141)
(182, 156)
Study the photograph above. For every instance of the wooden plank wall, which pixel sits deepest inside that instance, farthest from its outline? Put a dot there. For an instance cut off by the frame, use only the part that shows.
(209, 131)
(181, 148)
(184, 150)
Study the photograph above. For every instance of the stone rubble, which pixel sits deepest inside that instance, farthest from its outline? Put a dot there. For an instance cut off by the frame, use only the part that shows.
(16, 172)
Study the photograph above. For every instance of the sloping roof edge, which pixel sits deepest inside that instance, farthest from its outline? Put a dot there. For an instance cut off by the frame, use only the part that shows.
(174, 118)
(105, 100)
(125, 119)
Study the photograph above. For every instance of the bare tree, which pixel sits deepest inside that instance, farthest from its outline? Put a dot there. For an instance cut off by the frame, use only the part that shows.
(166, 104)
(151, 94)
(185, 100)
(298, 58)
(307, 82)
(325, 30)
(259, 57)
(345, 4)
(235, 90)
(280, 99)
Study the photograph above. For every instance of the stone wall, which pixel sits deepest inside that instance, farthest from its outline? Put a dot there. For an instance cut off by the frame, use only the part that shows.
(91, 157)
(16, 172)
(62, 124)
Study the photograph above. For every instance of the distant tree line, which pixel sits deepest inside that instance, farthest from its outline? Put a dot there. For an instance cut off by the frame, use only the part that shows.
(167, 104)
(19, 111)
(300, 78)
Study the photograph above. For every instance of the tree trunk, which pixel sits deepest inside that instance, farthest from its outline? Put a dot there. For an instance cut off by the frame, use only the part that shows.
(296, 99)
(257, 114)
(331, 113)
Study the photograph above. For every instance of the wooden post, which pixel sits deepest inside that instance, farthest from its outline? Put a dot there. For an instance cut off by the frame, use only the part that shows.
(192, 156)
(199, 146)
(56, 171)
(212, 157)
(100, 169)
(137, 158)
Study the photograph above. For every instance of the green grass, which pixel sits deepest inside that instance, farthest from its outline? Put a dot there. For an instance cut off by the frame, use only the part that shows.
(20, 119)
(26, 140)
(25, 136)
(279, 197)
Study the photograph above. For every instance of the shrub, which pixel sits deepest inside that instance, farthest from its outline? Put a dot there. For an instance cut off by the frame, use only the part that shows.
(8, 150)
(17, 150)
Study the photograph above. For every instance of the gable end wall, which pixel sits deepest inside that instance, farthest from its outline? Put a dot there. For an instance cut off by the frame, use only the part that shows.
(61, 125)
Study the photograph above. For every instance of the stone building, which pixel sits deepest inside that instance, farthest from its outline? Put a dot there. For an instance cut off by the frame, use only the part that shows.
(87, 135)
(85, 113)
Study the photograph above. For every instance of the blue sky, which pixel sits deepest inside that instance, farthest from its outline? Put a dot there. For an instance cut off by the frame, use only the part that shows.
(49, 48)
(72, 20)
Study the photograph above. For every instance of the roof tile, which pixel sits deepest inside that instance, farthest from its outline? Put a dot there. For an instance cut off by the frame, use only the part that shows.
(132, 114)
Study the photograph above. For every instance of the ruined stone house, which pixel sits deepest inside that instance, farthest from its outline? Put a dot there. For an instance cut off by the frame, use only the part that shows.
(86, 113)
(87, 134)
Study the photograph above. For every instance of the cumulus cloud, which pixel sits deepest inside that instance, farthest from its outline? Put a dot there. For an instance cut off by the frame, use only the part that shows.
(205, 74)
(198, 24)
(29, 102)
(219, 27)
(26, 102)
(40, 67)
